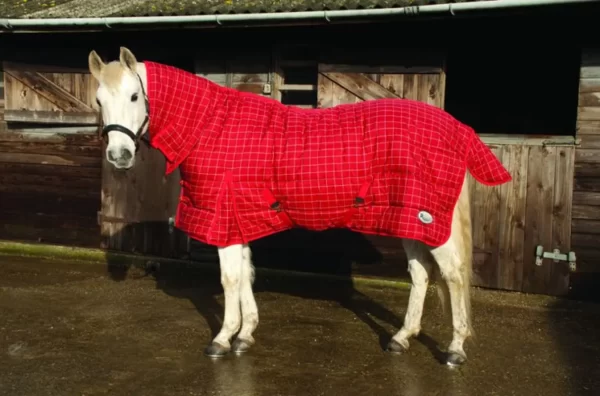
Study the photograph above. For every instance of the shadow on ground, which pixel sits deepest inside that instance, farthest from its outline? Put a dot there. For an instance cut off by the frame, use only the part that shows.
(334, 252)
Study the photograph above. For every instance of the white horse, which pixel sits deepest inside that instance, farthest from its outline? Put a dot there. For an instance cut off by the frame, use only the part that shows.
(122, 96)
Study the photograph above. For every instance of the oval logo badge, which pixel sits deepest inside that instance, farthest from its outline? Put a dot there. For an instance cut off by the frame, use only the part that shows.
(425, 217)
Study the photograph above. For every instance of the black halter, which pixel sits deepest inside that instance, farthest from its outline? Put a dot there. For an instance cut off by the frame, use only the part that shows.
(136, 137)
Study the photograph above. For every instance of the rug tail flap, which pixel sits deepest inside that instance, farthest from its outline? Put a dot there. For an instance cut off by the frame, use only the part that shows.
(484, 166)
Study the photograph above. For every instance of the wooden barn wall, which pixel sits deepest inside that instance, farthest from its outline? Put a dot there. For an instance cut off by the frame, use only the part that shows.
(586, 195)
(49, 170)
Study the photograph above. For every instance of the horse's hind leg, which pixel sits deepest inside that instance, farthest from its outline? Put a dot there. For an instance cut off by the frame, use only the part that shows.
(419, 266)
(452, 272)
(230, 260)
(454, 259)
(244, 339)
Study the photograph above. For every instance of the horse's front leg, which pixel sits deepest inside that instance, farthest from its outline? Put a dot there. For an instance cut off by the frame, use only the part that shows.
(231, 261)
(244, 339)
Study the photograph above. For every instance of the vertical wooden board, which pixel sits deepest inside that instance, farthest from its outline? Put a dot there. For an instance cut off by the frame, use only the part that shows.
(393, 83)
(485, 211)
(561, 229)
(538, 216)
(512, 219)
(411, 89)
(434, 90)
(325, 92)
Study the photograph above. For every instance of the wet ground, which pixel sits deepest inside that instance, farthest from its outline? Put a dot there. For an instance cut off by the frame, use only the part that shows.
(75, 329)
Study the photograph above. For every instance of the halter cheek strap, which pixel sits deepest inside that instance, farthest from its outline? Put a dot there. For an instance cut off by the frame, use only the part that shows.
(139, 135)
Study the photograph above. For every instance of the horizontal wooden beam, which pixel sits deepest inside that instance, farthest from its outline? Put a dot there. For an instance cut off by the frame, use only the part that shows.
(587, 85)
(53, 117)
(49, 159)
(392, 69)
(42, 68)
(529, 140)
(297, 87)
(588, 113)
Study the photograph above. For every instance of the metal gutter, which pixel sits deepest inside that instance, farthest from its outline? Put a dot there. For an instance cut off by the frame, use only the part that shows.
(111, 22)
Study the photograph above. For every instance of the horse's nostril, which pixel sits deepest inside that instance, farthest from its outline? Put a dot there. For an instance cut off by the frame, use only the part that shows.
(126, 155)
(111, 156)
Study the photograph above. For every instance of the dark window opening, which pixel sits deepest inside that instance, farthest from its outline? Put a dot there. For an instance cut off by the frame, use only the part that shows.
(529, 91)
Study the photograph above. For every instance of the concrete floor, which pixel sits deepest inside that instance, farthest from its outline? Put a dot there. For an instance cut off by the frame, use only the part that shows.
(77, 329)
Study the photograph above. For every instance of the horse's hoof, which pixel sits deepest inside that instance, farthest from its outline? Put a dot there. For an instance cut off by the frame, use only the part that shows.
(240, 345)
(455, 359)
(395, 347)
(216, 350)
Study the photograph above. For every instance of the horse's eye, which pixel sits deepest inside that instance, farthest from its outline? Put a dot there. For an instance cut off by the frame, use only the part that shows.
(98, 102)
(134, 97)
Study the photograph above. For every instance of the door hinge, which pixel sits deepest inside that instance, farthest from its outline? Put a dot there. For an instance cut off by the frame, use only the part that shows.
(556, 256)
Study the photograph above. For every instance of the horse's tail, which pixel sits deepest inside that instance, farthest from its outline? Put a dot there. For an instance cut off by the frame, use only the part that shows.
(464, 244)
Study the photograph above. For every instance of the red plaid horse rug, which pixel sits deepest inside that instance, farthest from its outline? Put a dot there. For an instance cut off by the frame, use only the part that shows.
(251, 166)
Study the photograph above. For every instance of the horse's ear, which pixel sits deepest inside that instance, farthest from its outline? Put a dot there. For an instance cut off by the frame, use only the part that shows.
(95, 64)
(127, 59)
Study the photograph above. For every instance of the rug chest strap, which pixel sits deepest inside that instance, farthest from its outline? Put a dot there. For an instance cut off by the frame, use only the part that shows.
(359, 200)
(276, 206)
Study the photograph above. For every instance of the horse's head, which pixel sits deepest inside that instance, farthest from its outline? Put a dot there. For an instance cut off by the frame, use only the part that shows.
(122, 98)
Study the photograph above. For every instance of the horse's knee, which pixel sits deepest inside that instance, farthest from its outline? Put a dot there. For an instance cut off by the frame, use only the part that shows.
(418, 273)
(451, 276)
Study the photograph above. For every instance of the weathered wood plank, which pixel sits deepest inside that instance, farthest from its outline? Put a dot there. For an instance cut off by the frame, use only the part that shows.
(72, 160)
(590, 99)
(297, 87)
(590, 142)
(28, 147)
(587, 156)
(50, 91)
(590, 72)
(538, 216)
(585, 241)
(588, 113)
(588, 85)
(588, 260)
(325, 92)
(58, 221)
(587, 184)
(50, 202)
(587, 198)
(512, 211)
(43, 68)
(558, 277)
(586, 212)
(360, 86)
(82, 237)
(580, 226)
(585, 169)
(528, 140)
(66, 172)
(69, 139)
(411, 88)
(393, 83)
(392, 69)
(588, 127)
(485, 212)
(69, 182)
(52, 117)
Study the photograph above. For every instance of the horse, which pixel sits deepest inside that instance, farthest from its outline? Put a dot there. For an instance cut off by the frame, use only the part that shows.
(127, 112)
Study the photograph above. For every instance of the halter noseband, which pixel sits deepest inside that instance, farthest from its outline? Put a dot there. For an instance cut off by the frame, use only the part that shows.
(136, 137)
